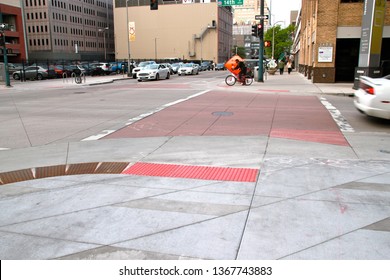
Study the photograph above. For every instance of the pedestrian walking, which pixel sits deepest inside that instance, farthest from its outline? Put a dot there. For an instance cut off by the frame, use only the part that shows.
(281, 66)
(289, 66)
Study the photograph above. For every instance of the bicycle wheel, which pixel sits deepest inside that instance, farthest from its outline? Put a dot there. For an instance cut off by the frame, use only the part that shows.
(230, 80)
(77, 79)
(248, 81)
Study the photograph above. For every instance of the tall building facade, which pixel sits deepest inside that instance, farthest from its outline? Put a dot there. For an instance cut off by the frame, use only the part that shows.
(72, 29)
(329, 39)
(189, 30)
(11, 14)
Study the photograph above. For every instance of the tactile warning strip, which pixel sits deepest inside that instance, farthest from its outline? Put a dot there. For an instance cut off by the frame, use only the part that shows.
(143, 169)
(193, 172)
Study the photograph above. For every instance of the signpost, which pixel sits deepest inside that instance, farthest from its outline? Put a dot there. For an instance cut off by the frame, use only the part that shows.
(261, 47)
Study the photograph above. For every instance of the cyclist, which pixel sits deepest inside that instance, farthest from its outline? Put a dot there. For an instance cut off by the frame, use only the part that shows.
(242, 67)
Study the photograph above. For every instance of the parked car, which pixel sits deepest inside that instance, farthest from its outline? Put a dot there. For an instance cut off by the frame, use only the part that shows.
(118, 67)
(77, 69)
(93, 70)
(153, 72)
(12, 68)
(58, 69)
(373, 97)
(220, 66)
(104, 66)
(188, 69)
(169, 66)
(205, 65)
(176, 66)
(140, 67)
(34, 72)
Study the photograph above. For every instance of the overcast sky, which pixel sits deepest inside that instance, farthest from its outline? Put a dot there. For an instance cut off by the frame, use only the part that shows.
(281, 10)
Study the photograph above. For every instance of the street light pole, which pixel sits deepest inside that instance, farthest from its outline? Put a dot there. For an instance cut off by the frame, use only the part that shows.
(4, 27)
(104, 42)
(128, 39)
(273, 37)
(155, 48)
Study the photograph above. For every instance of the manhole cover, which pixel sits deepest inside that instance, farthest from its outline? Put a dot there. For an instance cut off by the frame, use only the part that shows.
(79, 92)
(222, 114)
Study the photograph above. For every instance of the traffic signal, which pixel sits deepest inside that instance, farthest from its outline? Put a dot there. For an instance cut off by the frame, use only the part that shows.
(154, 4)
(254, 30)
(267, 44)
(260, 30)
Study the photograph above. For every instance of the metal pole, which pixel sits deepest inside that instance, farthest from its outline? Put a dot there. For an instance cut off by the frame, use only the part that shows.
(128, 39)
(7, 79)
(3, 27)
(261, 46)
(155, 48)
(105, 49)
(273, 37)
(201, 48)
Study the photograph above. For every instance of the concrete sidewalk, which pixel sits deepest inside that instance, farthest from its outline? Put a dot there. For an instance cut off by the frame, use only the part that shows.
(199, 197)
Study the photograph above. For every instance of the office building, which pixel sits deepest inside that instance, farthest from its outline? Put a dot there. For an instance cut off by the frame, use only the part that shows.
(184, 29)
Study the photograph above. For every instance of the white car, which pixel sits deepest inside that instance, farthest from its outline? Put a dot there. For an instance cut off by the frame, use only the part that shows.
(153, 72)
(141, 66)
(373, 97)
(188, 69)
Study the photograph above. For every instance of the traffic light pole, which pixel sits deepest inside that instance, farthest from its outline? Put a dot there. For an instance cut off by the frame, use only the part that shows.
(3, 46)
(261, 45)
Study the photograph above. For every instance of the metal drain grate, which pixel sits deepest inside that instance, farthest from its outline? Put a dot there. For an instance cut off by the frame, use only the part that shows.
(16, 176)
(49, 171)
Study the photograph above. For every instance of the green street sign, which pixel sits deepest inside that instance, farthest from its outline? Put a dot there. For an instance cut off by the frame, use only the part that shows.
(230, 2)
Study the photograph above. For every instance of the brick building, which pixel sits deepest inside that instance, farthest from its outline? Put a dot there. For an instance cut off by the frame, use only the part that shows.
(11, 14)
(334, 26)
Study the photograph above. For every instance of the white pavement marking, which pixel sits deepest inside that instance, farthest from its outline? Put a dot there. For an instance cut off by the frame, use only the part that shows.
(142, 116)
(98, 136)
(337, 116)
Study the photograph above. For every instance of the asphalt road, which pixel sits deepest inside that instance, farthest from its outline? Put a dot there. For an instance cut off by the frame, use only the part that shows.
(38, 113)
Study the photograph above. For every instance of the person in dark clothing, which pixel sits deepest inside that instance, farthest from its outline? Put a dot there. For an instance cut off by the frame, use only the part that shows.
(242, 67)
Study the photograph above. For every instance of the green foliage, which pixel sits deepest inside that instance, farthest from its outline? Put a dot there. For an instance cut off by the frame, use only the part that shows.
(283, 40)
(240, 51)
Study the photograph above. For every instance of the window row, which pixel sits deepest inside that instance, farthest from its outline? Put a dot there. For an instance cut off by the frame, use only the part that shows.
(39, 15)
(37, 29)
(35, 3)
(38, 42)
(62, 17)
(58, 4)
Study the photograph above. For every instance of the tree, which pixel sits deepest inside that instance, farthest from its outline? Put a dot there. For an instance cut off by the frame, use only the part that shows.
(283, 40)
(239, 51)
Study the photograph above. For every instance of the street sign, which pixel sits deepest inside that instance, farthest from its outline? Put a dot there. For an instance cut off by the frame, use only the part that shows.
(258, 17)
(230, 2)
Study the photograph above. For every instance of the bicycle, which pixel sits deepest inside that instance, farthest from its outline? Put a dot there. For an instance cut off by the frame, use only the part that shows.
(231, 80)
